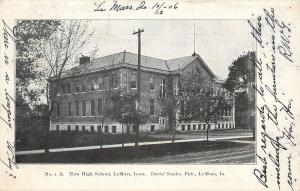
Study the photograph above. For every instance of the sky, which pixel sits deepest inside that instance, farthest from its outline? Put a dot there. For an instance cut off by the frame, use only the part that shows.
(218, 42)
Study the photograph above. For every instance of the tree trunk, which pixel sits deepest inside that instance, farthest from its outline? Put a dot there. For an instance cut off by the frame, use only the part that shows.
(98, 135)
(101, 137)
(137, 135)
(207, 132)
(174, 133)
(46, 134)
(122, 136)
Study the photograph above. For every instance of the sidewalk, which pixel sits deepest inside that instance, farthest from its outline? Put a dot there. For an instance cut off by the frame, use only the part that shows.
(126, 145)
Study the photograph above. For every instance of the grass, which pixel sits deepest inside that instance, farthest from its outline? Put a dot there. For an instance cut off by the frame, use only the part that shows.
(60, 139)
(127, 154)
(63, 139)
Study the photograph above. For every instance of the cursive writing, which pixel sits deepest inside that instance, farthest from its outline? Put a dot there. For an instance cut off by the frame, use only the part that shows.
(7, 156)
(275, 108)
(11, 164)
(290, 180)
(261, 175)
(157, 8)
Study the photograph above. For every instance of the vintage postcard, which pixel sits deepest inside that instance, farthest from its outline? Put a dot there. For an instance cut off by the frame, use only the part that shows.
(149, 95)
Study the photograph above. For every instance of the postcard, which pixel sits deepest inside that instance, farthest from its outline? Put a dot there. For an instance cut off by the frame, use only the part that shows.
(149, 95)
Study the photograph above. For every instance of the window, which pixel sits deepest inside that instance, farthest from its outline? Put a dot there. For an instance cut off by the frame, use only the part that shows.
(151, 84)
(229, 112)
(163, 121)
(92, 107)
(133, 83)
(83, 108)
(92, 128)
(182, 107)
(69, 127)
(219, 126)
(204, 126)
(83, 127)
(100, 107)
(208, 126)
(57, 127)
(108, 104)
(113, 129)
(194, 127)
(199, 126)
(162, 92)
(83, 87)
(222, 125)
(63, 89)
(92, 86)
(100, 83)
(105, 129)
(134, 104)
(77, 87)
(114, 81)
(106, 82)
(69, 109)
(183, 127)
(134, 128)
(151, 106)
(226, 125)
(68, 88)
(99, 128)
(77, 108)
(57, 109)
(188, 127)
(152, 128)
(76, 127)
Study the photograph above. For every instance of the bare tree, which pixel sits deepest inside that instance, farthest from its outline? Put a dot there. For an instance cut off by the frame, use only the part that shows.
(59, 52)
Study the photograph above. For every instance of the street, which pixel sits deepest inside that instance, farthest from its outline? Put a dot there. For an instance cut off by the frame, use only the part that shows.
(244, 154)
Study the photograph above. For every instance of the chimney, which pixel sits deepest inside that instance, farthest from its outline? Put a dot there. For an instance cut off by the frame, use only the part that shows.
(84, 60)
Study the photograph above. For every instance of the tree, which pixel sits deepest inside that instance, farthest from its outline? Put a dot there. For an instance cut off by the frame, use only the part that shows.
(196, 99)
(54, 51)
(124, 108)
(29, 33)
(28, 107)
(240, 82)
(240, 74)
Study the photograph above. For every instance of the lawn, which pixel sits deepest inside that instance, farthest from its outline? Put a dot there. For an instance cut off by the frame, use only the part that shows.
(63, 139)
(188, 152)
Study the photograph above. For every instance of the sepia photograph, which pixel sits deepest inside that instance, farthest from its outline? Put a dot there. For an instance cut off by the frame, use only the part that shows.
(135, 91)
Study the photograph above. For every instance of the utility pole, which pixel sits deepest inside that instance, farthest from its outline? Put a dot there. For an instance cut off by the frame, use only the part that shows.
(137, 133)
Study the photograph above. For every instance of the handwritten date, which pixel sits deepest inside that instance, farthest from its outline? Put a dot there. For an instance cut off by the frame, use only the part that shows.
(157, 8)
